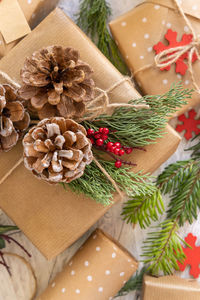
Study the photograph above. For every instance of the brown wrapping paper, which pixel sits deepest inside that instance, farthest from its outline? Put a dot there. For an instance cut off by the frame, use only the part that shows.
(97, 271)
(11, 31)
(140, 29)
(170, 288)
(51, 217)
(13, 21)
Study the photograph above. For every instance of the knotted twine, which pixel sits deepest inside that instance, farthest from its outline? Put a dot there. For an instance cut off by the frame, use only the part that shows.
(169, 56)
(94, 108)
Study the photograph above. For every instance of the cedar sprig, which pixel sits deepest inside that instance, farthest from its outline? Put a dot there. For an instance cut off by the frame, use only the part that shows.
(137, 128)
(162, 249)
(93, 18)
(144, 209)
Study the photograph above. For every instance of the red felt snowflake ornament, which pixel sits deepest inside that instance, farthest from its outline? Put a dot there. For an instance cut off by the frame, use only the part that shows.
(192, 256)
(171, 37)
(189, 124)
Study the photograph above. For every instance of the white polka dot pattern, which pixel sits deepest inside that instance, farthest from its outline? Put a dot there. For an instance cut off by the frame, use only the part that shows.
(89, 278)
(86, 263)
(114, 255)
(95, 268)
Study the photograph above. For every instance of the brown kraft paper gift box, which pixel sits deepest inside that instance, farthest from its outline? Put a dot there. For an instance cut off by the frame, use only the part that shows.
(51, 217)
(33, 12)
(96, 272)
(140, 29)
(170, 288)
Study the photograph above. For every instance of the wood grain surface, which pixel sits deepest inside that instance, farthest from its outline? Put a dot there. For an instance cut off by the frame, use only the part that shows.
(112, 222)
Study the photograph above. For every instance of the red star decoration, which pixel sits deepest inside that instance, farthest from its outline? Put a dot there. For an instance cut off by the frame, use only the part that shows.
(192, 256)
(171, 37)
(189, 124)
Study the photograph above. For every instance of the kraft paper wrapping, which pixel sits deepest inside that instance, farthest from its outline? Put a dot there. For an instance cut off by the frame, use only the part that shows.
(13, 21)
(97, 271)
(170, 288)
(51, 217)
(140, 29)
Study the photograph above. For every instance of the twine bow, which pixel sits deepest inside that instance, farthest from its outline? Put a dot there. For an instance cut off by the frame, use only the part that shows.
(169, 56)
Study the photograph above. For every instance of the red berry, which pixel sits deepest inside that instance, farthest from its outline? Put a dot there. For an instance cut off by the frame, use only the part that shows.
(118, 164)
(111, 149)
(109, 144)
(92, 141)
(97, 136)
(129, 150)
(90, 131)
(105, 130)
(104, 137)
(116, 151)
(101, 130)
(99, 142)
(117, 144)
(121, 152)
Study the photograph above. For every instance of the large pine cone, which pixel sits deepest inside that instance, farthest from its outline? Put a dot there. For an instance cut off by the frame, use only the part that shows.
(57, 150)
(57, 83)
(13, 118)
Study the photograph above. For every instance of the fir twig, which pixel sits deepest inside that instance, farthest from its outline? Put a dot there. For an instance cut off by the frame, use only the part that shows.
(93, 19)
(162, 249)
(182, 181)
(143, 209)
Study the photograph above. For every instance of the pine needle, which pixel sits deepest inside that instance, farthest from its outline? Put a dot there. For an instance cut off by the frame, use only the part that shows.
(93, 18)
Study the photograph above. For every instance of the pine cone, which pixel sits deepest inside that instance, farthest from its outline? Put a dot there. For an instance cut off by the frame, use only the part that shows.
(13, 118)
(57, 150)
(57, 83)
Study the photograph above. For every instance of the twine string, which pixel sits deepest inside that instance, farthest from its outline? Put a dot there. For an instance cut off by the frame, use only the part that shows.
(169, 56)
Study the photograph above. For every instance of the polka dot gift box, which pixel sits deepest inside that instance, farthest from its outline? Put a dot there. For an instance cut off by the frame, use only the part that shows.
(26, 12)
(146, 37)
(97, 271)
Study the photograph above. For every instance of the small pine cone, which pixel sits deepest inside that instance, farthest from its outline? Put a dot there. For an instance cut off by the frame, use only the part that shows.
(57, 150)
(57, 82)
(14, 120)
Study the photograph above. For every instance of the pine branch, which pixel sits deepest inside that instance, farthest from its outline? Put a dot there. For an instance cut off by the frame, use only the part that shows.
(93, 19)
(143, 209)
(137, 128)
(133, 284)
(162, 249)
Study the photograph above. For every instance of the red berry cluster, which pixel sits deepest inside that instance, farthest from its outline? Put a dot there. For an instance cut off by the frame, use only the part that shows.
(99, 139)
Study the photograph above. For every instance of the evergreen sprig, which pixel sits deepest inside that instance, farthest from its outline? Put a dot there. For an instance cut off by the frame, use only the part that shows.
(93, 18)
(162, 249)
(181, 181)
(94, 184)
(144, 209)
(137, 128)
